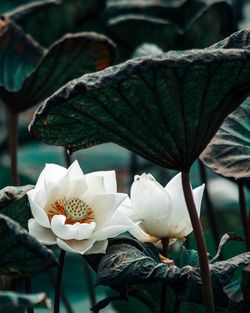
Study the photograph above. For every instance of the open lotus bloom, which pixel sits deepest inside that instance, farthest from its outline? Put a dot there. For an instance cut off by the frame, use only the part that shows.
(76, 211)
(162, 211)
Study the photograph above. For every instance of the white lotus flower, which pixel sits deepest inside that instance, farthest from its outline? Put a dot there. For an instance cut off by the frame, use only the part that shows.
(76, 211)
(162, 211)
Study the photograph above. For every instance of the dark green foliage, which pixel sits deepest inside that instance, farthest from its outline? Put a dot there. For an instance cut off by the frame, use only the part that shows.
(165, 108)
(21, 254)
(128, 263)
(19, 56)
(174, 25)
(68, 58)
(13, 302)
(47, 21)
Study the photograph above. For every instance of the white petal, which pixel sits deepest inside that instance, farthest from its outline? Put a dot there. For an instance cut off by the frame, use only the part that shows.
(180, 224)
(75, 246)
(38, 213)
(109, 180)
(197, 194)
(78, 231)
(98, 247)
(139, 234)
(51, 172)
(104, 206)
(95, 187)
(125, 209)
(152, 204)
(117, 224)
(42, 234)
(73, 184)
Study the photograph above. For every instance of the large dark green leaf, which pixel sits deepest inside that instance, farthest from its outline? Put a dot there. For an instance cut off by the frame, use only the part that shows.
(165, 108)
(47, 21)
(70, 57)
(128, 263)
(13, 302)
(19, 55)
(228, 153)
(20, 253)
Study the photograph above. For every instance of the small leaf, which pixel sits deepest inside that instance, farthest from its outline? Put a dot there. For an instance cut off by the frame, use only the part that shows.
(20, 253)
(165, 108)
(47, 21)
(225, 238)
(187, 257)
(11, 194)
(19, 55)
(13, 302)
(228, 153)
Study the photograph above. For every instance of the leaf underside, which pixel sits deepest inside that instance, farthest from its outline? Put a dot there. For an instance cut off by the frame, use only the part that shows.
(165, 108)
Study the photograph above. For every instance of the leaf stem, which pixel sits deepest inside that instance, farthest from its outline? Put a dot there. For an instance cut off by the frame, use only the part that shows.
(201, 244)
(165, 243)
(243, 213)
(12, 134)
(209, 207)
(90, 283)
(28, 290)
(59, 282)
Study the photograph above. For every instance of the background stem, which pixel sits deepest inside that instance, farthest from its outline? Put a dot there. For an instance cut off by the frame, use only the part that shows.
(243, 213)
(201, 245)
(12, 135)
(90, 283)
(28, 290)
(165, 243)
(209, 207)
(59, 282)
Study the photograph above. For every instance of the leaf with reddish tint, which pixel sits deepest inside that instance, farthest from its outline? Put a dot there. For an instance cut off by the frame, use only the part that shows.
(165, 108)
(68, 58)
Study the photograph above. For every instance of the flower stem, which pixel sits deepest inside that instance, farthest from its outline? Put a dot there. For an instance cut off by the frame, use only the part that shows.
(165, 243)
(12, 134)
(28, 290)
(244, 215)
(59, 282)
(201, 245)
(209, 207)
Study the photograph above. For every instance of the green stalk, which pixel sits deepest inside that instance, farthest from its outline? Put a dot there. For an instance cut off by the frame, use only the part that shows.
(164, 286)
(59, 282)
(201, 245)
(244, 215)
(12, 135)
